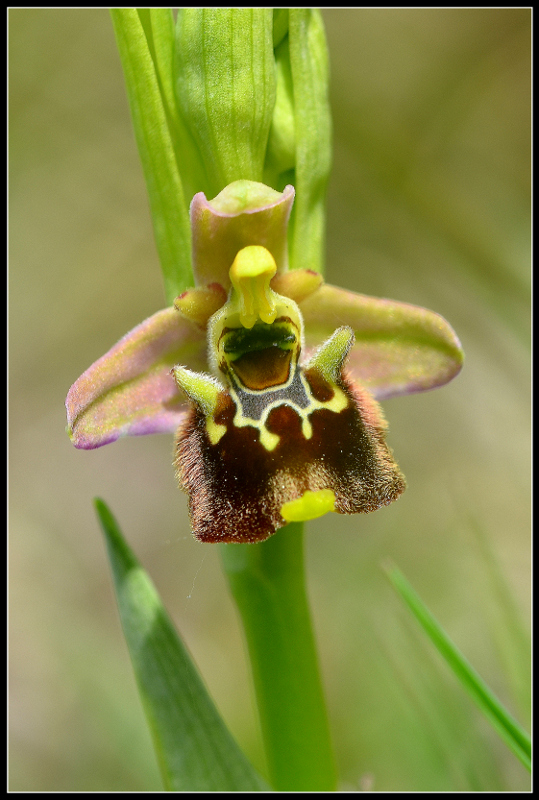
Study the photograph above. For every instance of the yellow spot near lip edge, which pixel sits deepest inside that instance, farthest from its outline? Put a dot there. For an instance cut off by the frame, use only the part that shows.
(310, 506)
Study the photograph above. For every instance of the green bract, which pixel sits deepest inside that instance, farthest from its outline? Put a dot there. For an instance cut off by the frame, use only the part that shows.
(227, 95)
(225, 88)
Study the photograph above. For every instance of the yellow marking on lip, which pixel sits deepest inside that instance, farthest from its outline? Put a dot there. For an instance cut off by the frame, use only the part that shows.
(310, 506)
(270, 440)
(215, 430)
(306, 427)
(338, 402)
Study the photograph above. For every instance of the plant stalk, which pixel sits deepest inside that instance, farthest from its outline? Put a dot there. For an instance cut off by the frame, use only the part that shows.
(268, 584)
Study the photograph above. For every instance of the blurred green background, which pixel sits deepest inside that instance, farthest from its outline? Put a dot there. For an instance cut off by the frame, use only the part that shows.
(429, 203)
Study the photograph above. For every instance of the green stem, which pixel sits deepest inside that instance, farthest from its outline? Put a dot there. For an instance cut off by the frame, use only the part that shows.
(268, 584)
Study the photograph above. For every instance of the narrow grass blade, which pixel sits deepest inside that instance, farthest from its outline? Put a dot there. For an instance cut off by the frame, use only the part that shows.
(195, 750)
(509, 729)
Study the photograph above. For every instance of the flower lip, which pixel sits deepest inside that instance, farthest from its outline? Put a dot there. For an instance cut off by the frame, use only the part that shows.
(294, 451)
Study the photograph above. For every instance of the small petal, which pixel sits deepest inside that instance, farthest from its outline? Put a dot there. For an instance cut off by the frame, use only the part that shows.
(399, 349)
(130, 390)
(244, 213)
(201, 302)
(297, 284)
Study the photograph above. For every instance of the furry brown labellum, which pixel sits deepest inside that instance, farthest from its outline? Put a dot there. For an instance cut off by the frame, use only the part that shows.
(274, 441)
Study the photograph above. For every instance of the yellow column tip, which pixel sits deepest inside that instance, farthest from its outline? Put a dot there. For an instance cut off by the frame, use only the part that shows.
(250, 274)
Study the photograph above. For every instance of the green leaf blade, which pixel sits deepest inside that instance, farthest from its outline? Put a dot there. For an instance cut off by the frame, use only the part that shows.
(508, 728)
(155, 141)
(310, 77)
(161, 26)
(195, 750)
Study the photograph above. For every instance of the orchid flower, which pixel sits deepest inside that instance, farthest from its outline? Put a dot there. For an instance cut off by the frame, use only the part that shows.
(268, 377)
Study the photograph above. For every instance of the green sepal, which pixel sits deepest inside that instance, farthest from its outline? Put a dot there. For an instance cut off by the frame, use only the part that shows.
(244, 213)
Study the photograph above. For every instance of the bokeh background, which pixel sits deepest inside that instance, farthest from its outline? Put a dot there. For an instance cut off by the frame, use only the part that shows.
(429, 202)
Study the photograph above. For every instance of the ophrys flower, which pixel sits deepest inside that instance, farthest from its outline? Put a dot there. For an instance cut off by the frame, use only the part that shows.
(267, 375)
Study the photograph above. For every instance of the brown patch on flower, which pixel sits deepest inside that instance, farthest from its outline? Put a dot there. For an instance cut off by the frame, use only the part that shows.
(238, 486)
